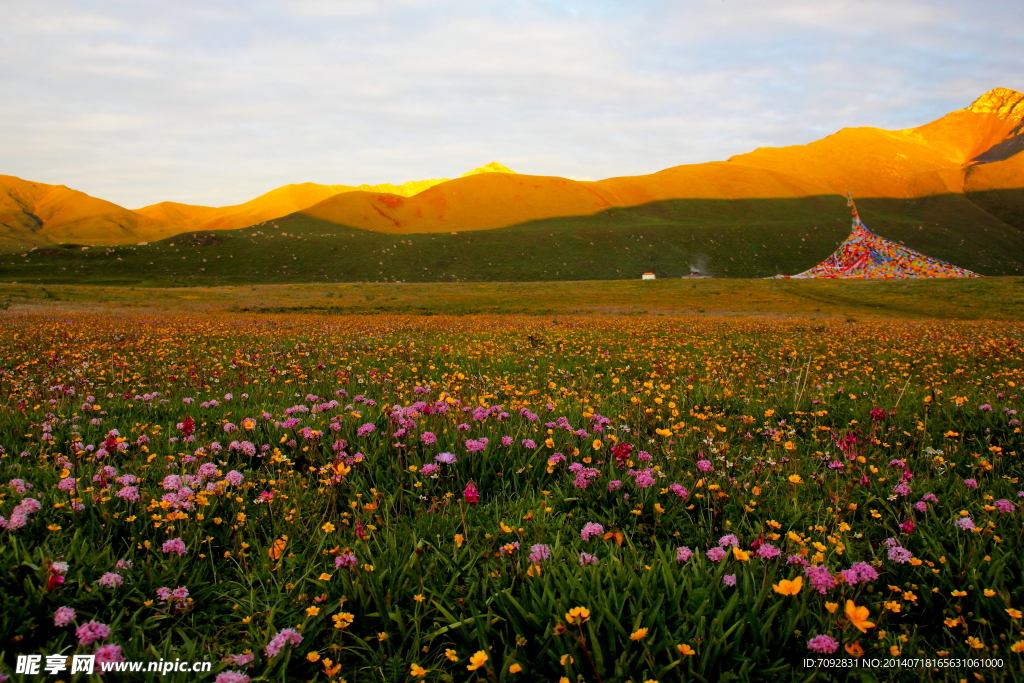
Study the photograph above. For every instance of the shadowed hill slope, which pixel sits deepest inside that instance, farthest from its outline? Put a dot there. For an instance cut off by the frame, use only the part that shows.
(722, 238)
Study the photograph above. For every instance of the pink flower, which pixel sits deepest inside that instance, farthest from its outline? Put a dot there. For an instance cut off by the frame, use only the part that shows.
(428, 438)
(683, 554)
(175, 545)
(470, 494)
(587, 558)
(823, 644)
(345, 560)
(285, 637)
(231, 677)
(716, 554)
(366, 429)
(590, 530)
(89, 632)
(63, 616)
(111, 580)
(108, 654)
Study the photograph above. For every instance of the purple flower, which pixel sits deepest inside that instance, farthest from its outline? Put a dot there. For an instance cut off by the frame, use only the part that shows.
(614, 484)
(766, 551)
(529, 443)
(539, 553)
(429, 469)
(823, 644)
(234, 477)
(587, 558)
(591, 529)
(683, 554)
(729, 579)
(446, 458)
(729, 540)
(476, 445)
(1004, 505)
(900, 555)
(175, 545)
(89, 632)
(507, 441)
(63, 616)
(901, 489)
(965, 523)
(716, 554)
(970, 483)
(705, 466)
(921, 506)
(428, 438)
(368, 428)
(67, 484)
(820, 579)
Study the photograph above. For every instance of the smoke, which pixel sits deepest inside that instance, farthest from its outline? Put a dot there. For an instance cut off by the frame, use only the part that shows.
(699, 265)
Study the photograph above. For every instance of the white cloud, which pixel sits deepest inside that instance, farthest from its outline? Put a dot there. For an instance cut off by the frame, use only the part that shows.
(216, 102)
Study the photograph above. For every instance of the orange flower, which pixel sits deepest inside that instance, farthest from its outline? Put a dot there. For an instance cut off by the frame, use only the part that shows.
(787, 587)
(477, 660)
(638, 634)
(685, 649)
(858, 616)
(577, 615)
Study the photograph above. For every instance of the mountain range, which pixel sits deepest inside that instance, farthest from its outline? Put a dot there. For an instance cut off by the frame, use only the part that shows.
(952, 188)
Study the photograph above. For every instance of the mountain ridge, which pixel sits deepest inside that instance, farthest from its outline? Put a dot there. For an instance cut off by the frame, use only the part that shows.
(974, 152)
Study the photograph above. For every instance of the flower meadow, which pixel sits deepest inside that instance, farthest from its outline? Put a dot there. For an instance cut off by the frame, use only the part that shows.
(394, 498)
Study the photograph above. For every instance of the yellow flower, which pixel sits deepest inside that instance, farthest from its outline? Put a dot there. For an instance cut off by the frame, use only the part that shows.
(959, 594)
(452, 655)
(53, 527)
(577, 615)
(894, 651)
(831, 607)
(515, 668)
(893, 606)
(789, 446)
(596, 444)
(324, 577)
(685, 649)
(328, 528)
(663, 432)
(477, 660)
(796, 479)
(312, 611)
(313, 657)
(741, 555)
(343, 620)
(566, 659)
(638, 634)
(506, 528)
(417, 671)
(989, 592)
(1018, 646)
(418, 598)
(382, 636)
(858, 617)
(459, 540)
(1014, 613)
(975, 642)
(787, 587)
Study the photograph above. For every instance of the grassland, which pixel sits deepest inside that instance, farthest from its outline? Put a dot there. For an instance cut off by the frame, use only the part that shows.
(968, 299)
(733, 238)
(395, 497)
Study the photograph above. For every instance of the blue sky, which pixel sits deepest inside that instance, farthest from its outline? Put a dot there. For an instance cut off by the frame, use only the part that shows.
(216, 102)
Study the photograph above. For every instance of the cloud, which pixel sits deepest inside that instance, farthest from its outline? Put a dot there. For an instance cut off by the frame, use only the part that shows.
(216, 102)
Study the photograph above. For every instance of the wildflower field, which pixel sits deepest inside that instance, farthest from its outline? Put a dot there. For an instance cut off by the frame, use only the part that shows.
(515, 498)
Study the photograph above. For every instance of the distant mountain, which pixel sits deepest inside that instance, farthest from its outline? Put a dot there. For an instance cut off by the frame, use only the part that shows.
(35, 214)
(966, 166)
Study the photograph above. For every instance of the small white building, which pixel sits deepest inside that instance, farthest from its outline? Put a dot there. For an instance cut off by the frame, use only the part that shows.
(648, 276)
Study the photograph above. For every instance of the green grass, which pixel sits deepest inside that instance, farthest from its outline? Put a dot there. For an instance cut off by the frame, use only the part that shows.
(766, 401)
(960, 299)
(735, 238)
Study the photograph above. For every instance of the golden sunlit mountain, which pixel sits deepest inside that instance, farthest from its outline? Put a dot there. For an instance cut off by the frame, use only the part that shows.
(974, 152)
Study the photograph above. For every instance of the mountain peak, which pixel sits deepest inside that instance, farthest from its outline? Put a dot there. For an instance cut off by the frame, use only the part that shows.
(493, 167)
(1008, 104)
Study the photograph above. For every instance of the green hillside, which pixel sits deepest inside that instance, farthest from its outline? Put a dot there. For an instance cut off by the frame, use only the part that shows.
(722, 238)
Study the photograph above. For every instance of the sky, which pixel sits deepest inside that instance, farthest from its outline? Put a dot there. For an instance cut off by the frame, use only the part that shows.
(211, 102)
